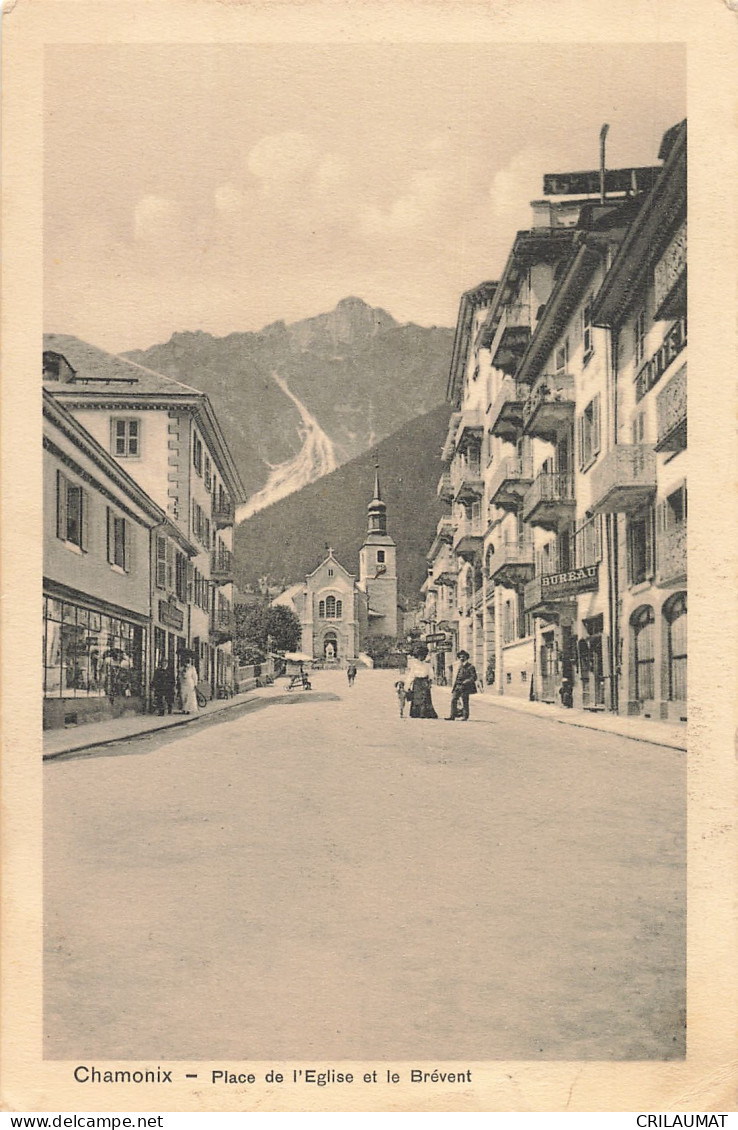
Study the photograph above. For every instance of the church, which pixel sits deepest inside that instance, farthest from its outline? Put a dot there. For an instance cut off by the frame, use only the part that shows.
(340, 612)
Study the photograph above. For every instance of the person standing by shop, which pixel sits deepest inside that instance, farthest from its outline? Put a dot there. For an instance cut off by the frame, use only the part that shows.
(162, 685)
(465, 684)
(188, 688)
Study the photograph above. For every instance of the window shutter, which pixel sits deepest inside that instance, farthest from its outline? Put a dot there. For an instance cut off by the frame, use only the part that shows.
(580, 440)
(84, 508)
(110, 538)
(61, 506)
(127, 544)
(650, 543)
(595, 425)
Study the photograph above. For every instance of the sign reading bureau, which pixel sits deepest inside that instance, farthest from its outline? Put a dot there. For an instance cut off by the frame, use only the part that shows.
(557, 585)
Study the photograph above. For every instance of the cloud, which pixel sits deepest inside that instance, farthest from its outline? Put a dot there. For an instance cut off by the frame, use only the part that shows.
(519, 182)
(157, 219)
(427, 195)
(282, 160)
(229, 200)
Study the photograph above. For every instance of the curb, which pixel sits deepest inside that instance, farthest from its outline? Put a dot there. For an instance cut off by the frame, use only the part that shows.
(186, 721)
(582, 725)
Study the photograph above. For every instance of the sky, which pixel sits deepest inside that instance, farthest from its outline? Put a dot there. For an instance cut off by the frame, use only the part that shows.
(224, 187)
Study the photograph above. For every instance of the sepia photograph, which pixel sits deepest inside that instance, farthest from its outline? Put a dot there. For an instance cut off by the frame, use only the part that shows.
(363, 475)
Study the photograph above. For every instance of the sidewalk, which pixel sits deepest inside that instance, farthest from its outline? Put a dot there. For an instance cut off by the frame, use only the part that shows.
(57, 742)
(671, 734)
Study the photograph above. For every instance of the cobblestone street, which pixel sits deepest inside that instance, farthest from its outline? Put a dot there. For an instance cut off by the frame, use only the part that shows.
(315, 876)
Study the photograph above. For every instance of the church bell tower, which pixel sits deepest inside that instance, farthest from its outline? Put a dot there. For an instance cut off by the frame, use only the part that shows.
(378, 568)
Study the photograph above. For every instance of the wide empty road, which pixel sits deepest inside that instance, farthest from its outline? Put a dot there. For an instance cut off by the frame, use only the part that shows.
(314, 877)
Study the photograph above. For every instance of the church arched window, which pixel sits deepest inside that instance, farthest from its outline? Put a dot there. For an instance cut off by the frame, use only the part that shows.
(330, 608)
(339, 609)
(321, 609)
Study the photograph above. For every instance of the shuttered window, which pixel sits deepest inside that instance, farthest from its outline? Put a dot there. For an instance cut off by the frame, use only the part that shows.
(589, 432)
(72, 512)
(161, 562)
(119, 541)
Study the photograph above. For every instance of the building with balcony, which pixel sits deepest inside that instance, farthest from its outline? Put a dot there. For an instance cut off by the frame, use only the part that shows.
(164, 433)
(642, 486)
(583, 492)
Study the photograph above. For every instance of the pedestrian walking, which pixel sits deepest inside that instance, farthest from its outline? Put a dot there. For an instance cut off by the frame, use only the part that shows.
(401, 696)
(162, 685)
(465, 684)
(188, 688)
(419, 676)
(566, 693)
(351, 674)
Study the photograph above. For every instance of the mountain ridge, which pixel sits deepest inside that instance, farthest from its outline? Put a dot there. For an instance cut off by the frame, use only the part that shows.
(357, 372)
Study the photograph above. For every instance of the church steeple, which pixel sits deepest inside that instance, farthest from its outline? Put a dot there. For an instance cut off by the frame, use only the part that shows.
(377, 508)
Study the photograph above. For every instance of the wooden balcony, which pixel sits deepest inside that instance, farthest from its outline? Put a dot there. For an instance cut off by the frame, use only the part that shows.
(671, 554)
(549, 410)
(512, 563)
(221, 566)
(222, 624)
(468, 485)
(511, 479)
(223, 513)
(468, 537)
(624, 480)
(506, 414)
(671, 413)
(445, 489)
(513, 339)
(549, 502)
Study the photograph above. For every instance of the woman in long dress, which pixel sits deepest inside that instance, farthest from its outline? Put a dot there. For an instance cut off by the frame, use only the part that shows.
(418, 677)
(188, 689)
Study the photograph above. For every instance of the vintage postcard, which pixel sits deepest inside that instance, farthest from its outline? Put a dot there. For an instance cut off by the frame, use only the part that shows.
(364, 760)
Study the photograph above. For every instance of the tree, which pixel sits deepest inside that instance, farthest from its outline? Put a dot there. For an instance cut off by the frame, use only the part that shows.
(260, 626)
(383, 650)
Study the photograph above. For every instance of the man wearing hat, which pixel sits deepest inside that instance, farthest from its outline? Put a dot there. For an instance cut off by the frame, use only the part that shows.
(465, 684)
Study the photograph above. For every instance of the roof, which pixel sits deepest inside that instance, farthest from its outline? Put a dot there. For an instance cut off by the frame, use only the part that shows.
(99, 375)
(477, 296)
(92, 365)
(662, 211)
(330, 557)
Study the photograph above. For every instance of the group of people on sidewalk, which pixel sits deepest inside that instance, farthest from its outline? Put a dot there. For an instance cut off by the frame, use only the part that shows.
(163, 687)
(415, 689)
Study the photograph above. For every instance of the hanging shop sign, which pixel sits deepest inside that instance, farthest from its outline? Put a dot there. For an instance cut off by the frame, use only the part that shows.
(171, 615)
(435, 637)
(558, 585)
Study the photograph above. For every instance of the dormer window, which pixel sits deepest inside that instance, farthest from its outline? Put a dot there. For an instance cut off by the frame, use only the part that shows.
(56, 367)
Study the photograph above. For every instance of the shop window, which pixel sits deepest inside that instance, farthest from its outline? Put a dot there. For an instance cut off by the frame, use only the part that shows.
(642, 641)
(675, 616)
(119, 541)
(72, 505)
(589, 432)
(90, 655)
(641, 547)
(126, 437)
